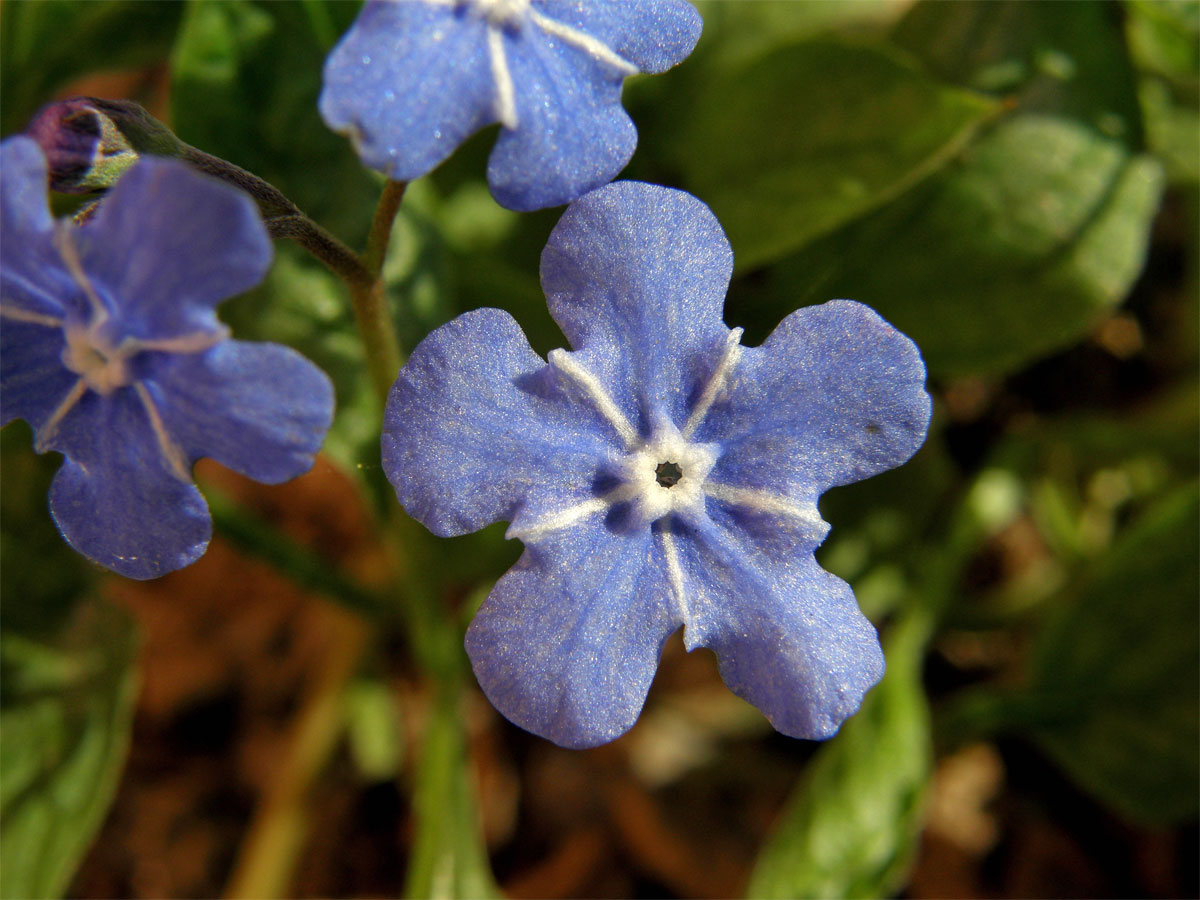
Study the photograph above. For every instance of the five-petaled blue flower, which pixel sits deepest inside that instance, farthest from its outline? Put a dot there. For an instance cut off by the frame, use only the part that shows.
(110, 348)
(413, 78)
(660, 474)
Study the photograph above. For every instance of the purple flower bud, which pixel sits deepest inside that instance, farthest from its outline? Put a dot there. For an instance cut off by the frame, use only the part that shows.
(84, 149)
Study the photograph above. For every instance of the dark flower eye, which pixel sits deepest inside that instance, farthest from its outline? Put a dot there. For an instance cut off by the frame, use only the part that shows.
(667, 474)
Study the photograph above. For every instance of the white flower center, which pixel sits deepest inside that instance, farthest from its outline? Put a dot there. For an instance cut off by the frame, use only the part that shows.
(501, 13)
(664, 475)
(101, 366)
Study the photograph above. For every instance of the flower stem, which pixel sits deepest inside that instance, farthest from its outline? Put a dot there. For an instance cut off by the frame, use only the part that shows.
(338, 258)
(362, 274)
(381, 225)
(370, 300)
(378, 335)
(282, 217)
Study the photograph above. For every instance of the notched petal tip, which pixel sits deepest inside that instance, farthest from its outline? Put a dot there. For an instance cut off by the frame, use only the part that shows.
(138, 527)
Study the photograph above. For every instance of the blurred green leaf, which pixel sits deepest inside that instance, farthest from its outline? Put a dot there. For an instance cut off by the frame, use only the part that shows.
(1017, 250)
(1164, 38)
(1173, 131)
(1114, 691)
(736, 30)
(796, 143)
(1063, 58)
(851, 826)
(245, 77)
(1121, 667)
(46, 45)
(448, 857)
(66, 708)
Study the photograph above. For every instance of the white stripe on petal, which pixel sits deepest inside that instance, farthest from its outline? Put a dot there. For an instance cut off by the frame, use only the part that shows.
(569, 366)
(675, 577)
(766, 502)
(32, 318)
(558, 520)
(506, 98)
(65, 245)
(196, 342)
(595, 48)
(716, 381)
(170, 450)
(48, 428)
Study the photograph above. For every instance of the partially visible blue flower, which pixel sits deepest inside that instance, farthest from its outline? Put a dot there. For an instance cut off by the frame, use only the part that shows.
(660, 474)
(111, 349)
(413, 78)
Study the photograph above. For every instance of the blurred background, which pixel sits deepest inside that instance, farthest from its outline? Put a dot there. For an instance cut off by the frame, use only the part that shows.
(1012, 184)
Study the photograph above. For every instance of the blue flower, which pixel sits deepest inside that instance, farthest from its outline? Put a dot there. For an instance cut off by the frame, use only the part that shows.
(111, 350)
(660, 474)
(412, 79)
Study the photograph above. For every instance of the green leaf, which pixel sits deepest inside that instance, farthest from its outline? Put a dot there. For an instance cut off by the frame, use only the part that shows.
(1015, 251)
(850, 828)
(245, 77)
(1068, 59)
(798, 142)
(1164, 39)
(45, 46)
(1120, 670)
(65, 715)
(1114, 692)
(735, 30)
(448, 858)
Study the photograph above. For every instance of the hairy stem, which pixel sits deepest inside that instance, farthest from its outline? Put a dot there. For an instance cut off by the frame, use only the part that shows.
(337, 257)
(282, 217)
(370, 300)
(381, 225)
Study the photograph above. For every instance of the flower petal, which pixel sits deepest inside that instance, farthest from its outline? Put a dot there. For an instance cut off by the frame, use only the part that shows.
(635, 275)
(652, 34)
(789, 636)
(571, 133)
(168, 245)
(834, 395)
(260, 409)
(118, 499)
(409, 82)
(567, 642)
(33, 381)
(32, 279)
(476, 427)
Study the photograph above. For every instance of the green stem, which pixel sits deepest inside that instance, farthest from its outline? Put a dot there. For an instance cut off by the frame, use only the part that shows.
(378, 335)
(381, 225)
(370, 299)
(336, 256)
(271, 201)
(282, 217)
(361, 274)
(278, 832)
